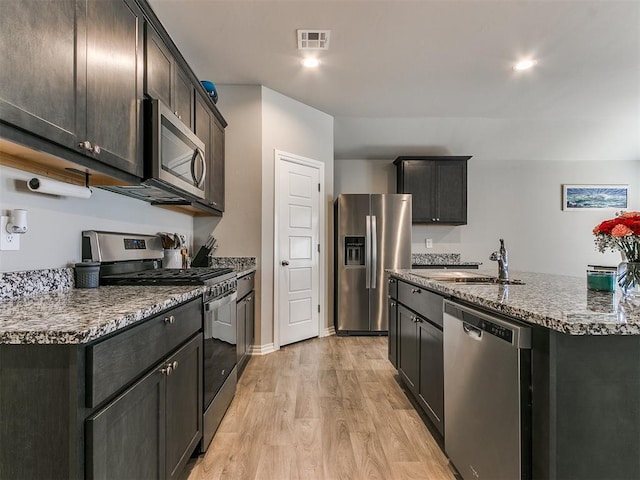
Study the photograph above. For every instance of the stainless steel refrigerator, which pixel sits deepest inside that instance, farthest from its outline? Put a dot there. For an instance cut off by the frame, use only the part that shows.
(372, 233)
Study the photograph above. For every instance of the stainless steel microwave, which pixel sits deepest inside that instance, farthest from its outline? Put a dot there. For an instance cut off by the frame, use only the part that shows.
(177, 155)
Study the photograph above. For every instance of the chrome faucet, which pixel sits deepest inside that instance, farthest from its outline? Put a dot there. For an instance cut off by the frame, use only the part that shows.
(501, 256)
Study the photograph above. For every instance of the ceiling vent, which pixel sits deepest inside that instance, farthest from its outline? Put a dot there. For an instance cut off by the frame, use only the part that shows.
(313, 39)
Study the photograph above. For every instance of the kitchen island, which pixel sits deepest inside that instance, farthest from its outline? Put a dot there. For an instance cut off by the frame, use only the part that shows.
(585, 369)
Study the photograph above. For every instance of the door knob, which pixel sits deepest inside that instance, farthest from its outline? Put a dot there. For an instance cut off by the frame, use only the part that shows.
(284, 263)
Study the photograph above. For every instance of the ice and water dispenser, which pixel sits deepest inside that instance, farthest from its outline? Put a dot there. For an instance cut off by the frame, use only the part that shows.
(354, 251)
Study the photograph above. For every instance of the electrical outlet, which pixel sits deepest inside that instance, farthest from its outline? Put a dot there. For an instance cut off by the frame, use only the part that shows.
(428, 242)
(8, 241)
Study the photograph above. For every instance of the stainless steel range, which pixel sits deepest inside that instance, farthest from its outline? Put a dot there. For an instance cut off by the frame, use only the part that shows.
(135, 259)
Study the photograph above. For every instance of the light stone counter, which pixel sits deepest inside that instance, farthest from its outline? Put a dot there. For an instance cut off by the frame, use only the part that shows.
(82, 315)
(556, 302)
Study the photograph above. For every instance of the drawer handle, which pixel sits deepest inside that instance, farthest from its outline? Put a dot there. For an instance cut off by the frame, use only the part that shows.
(414, 319)
(86, 145)
(392, 280)
(416, 290)
(393, 304)
(248, 299)
(170, 320)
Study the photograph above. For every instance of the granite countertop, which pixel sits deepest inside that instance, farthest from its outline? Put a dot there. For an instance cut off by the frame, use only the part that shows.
(444, 259)
(556, 302)
(82, 315)
(241, 265)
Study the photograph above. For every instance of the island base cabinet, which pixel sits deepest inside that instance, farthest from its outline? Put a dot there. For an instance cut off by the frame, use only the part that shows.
(431, 387)
(421, 361)
(150, 431)
(586, 407)
(408, 356)
(393, 332)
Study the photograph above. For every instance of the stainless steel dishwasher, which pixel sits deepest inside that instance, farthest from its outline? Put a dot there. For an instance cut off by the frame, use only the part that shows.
(487, 378)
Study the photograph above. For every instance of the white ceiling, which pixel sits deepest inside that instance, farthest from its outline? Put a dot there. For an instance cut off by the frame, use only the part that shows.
(439, 71)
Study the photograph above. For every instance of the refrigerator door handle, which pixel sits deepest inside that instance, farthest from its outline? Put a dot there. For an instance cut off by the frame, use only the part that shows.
(367, 251)
(374, 251)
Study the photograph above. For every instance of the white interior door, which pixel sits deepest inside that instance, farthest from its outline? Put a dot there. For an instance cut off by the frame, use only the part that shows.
(297, 250)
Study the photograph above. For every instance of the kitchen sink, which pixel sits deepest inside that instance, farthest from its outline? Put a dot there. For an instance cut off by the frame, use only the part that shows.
(471, 278)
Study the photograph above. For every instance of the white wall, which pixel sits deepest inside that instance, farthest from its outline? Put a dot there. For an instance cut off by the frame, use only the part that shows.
(55, 223)
(239, 230)
(293, 127)
(548, 137)
(519, 201)
(260, 122)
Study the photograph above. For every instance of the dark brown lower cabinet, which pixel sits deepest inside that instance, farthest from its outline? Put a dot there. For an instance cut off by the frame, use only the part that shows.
(127, 439)
(431, 386)
(245, 313)
(421, 363)
(146, 426)
(393, 331)
(409, 355)
(151, 429)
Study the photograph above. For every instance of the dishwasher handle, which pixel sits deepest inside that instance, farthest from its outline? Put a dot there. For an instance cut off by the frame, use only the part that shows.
(512, 332)
(472, 332)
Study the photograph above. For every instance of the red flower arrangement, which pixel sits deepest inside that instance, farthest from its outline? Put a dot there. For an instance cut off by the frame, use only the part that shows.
(622, 234)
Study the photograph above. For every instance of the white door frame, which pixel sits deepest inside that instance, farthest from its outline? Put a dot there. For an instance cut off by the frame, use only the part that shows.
(280, 156)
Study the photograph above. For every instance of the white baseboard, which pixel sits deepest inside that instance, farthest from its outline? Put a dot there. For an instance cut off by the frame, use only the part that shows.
(328, 331)
(262, 349)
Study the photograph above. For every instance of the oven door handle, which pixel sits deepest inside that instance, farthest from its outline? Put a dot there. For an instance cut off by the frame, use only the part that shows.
(220, 302)
(219, 320)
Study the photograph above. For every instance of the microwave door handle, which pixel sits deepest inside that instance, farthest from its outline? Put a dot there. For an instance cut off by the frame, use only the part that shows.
(199, 182)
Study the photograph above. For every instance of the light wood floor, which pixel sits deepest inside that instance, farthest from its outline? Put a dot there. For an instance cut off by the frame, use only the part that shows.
(328, 408)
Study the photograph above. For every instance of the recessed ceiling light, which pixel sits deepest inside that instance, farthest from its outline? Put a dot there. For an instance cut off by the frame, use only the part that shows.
(311, 62)
(524, 65)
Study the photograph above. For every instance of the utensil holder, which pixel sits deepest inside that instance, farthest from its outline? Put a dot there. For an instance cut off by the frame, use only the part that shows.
(87, 274)
(172, 258)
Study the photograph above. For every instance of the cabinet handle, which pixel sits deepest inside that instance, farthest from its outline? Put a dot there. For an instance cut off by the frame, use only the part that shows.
(393, 304)
(86, 145)
(96, 149)
(392, 280)
(169, 320)
(414, 319)
(215, 204)
(176, 114)
(416, 290)
(248, 299)
(169, 368)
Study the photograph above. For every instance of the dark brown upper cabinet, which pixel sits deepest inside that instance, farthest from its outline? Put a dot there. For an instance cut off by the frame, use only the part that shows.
(166, 80)
(72, 74)
(210, 129)
(438, 185)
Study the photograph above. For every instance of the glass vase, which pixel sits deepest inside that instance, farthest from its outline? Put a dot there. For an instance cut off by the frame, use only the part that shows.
(629, 278)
